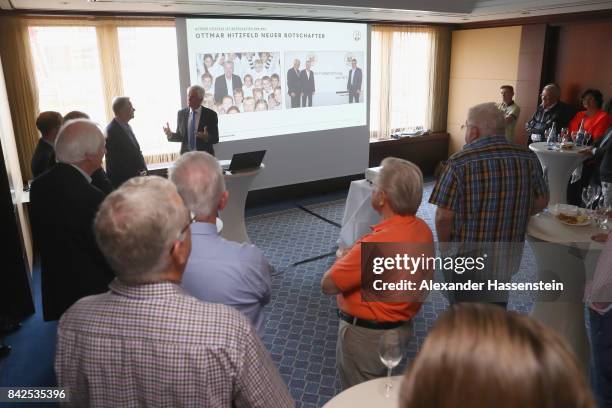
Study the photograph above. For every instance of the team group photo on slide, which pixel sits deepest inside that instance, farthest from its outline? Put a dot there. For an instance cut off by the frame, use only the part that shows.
(237, 82)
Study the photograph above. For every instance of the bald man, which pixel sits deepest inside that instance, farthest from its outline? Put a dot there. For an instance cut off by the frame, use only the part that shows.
(63, 205)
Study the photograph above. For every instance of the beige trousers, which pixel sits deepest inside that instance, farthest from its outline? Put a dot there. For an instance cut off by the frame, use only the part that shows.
(357, 356)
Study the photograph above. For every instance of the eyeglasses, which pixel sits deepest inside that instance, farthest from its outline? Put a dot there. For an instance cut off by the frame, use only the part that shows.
(466, 125)
(180, 236)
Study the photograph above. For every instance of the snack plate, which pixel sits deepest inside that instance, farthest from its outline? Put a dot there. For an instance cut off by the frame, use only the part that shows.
(576, 224)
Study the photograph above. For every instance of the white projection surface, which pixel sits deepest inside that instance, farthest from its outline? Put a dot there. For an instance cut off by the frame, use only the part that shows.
(283, 86)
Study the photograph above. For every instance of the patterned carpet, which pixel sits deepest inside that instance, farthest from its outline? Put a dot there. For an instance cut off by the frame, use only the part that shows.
(302, 323)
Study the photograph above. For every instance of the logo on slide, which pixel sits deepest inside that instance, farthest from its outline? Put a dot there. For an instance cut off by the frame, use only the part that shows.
(357, 35)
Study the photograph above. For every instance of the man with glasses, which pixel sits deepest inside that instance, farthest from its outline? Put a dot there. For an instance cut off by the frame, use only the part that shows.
(485, 195)
(146, 342)
(219, 271)
(196, 126)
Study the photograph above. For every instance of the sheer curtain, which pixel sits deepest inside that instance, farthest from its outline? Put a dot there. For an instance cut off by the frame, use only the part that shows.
(409, 86)
(83, 63)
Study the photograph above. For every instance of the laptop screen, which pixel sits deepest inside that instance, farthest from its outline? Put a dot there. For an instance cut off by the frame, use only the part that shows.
(246, 161)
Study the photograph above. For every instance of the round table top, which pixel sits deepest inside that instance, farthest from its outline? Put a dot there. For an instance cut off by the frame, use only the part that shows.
(542, 148)
(546, 227)
(368, 394)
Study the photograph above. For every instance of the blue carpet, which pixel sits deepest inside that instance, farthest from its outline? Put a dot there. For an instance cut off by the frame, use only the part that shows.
(302, 324)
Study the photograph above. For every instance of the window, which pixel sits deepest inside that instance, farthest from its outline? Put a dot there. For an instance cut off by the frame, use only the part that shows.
(150, 79)
(67, 69)
(69, 76)
(407, 78)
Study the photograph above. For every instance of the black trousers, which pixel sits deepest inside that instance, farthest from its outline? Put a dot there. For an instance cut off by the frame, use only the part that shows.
(295, 100)
(353, 96)
(306, 99)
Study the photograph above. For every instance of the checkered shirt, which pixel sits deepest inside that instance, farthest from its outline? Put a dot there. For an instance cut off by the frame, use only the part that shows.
(490, 185)
(153, 345)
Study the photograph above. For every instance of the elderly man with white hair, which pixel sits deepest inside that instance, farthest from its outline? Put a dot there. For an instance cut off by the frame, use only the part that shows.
(367, 316)
(63, 204)
(551, 110)
(219, 271)
(487, 192)
(146, 342)
(196, 126)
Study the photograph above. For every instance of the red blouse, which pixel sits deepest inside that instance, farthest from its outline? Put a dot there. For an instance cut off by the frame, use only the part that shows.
(596, 124)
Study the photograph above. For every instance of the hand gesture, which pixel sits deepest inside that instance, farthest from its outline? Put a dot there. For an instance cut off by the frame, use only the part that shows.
(202, 134)
(167, 130)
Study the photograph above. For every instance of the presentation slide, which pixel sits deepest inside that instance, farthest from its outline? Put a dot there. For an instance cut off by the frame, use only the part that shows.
(279, 77)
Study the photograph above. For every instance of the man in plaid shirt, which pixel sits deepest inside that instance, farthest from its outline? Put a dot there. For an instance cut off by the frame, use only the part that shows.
(487, 192)
(146, 342)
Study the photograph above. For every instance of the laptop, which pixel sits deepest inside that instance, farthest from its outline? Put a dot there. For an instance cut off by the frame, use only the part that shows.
(246, 161)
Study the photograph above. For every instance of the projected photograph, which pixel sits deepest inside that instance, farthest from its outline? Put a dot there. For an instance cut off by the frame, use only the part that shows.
(323, 78)
(237, 82)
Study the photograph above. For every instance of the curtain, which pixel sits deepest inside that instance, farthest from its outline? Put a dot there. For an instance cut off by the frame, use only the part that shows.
(20, 87)
(410, 70)
(110, 65)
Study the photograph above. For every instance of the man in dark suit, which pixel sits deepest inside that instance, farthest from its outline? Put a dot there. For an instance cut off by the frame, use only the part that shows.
(353, 84)
(123, 156)
(63, 206)
(307, 83)
(196, 126)
(294, 87)
(226, 83)
(48, 123)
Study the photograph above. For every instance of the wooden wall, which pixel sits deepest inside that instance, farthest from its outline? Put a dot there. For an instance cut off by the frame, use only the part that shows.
(584, 59)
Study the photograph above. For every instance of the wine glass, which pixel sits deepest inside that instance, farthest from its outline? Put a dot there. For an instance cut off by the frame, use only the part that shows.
(587, 138)
(574, 136)
(390, 352)
(601, 214)
(587, 195)
(564, 136)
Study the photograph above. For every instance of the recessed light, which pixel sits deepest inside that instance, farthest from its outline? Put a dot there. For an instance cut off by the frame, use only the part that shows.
(261, 8)
(356, 12)
(418, 16)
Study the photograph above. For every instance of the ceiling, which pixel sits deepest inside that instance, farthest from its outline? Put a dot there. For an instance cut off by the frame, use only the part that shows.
(419, 11)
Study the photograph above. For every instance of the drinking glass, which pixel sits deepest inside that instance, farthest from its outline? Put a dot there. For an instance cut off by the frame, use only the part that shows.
(587, 138)
(588, 194)
(564, 135)
(574, 136)
(390, 352)
(602, 214)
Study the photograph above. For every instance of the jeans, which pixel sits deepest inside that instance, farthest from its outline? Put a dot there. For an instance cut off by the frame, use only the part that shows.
(601, 338)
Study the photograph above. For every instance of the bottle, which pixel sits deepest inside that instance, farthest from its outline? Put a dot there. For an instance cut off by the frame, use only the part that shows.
(552, 137)
(580, 134)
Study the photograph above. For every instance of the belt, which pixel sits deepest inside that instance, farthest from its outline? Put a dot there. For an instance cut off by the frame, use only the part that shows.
(370, 324)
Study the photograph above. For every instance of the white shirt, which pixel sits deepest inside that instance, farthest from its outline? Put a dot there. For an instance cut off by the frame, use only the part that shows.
(230, 86)
(353, 75)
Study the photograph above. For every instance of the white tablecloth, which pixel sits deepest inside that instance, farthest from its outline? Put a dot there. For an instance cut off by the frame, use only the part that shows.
(558, 166)
(358, 213)
(566, 254)
(369, 394)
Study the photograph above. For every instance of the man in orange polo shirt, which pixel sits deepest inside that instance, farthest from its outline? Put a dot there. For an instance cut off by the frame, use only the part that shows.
(397, 196)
